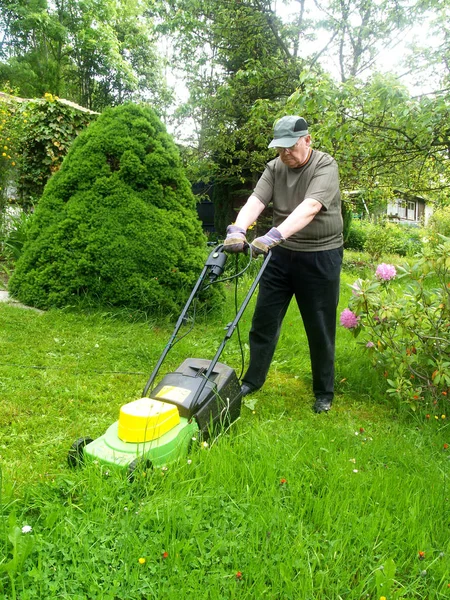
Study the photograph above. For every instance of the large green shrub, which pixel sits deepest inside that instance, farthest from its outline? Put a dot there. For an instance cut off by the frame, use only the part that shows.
(384, 238)
(35, 135)
(117, 223)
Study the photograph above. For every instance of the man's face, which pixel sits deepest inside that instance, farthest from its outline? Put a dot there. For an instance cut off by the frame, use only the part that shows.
(297, 154)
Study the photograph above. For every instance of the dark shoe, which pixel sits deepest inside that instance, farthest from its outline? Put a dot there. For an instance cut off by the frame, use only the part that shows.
(247, 389)
(322, 405)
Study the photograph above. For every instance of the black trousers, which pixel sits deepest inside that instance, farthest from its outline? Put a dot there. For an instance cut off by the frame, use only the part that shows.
(313, 278)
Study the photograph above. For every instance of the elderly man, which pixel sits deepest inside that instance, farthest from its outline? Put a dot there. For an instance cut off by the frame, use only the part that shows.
(307, 248)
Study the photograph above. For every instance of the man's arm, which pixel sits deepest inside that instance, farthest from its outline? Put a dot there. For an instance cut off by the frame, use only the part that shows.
(249, 212)
(300, 217)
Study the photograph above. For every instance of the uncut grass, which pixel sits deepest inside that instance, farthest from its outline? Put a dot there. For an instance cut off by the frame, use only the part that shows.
(323, 534)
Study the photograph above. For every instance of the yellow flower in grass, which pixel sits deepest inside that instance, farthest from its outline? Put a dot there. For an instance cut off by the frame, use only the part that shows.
(142, 561)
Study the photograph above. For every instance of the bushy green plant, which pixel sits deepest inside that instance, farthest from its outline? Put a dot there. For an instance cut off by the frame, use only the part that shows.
(391, 238)
(117, 223)
(407, 329)
(357, 235)
(439, 222)
(35, 136)
(14, 233)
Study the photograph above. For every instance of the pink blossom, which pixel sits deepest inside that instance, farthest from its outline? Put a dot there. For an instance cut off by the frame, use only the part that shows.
(386, 272)
(348, 319)
(370, 345)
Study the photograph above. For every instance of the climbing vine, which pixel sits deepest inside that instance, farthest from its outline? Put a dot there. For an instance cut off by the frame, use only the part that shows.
(35, 135)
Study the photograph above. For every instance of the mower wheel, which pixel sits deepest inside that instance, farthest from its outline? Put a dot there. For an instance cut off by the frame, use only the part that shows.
(75, 456)
(138, 468)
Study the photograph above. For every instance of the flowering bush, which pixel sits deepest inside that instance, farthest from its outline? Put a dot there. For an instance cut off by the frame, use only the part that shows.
(406, 328)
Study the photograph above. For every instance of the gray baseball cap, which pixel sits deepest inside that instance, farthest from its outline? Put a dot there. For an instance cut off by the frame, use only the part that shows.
(288, 130)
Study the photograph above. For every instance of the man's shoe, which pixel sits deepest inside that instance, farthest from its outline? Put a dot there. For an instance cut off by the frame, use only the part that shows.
(247, 389)
(322, 405)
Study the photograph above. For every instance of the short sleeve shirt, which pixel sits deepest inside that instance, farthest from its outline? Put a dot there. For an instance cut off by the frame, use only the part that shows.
(286, 188)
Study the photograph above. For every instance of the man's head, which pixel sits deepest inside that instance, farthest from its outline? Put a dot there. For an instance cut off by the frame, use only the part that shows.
(292, 140)
(287, 131)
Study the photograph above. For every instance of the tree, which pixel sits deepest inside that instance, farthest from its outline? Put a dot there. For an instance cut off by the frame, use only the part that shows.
(103, 229)
(94, 53)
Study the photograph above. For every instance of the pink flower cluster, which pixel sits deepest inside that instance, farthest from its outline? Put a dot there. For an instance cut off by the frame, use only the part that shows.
(348, 319)
(385, 272)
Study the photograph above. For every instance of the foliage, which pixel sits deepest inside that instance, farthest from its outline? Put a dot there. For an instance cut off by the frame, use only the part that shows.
(95, 53)
(407, 328)
(14, 230)
(439, 222)
(390, 238)
(104, 227)
(39, 134)
(357, 234)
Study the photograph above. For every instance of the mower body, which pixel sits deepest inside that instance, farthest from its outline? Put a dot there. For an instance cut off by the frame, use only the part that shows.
(159, 429)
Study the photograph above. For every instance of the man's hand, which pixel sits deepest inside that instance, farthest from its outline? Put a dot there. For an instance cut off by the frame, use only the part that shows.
(235, 240)
(262, 245)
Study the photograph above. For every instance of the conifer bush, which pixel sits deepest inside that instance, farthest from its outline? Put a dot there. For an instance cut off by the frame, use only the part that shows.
(117, 224)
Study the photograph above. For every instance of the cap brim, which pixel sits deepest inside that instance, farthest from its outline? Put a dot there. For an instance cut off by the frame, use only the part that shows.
(287, 142)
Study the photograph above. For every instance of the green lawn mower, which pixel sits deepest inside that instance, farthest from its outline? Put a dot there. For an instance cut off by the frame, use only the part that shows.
(201, 398)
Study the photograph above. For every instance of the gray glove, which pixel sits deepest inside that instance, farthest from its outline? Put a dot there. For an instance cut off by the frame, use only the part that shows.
(235, 240)
(262, 245)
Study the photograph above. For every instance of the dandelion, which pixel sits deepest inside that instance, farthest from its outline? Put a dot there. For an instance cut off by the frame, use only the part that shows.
(382, 597)
(385, 272)
(443, 417)
(27, 529)
(142, 561)
(348, 319)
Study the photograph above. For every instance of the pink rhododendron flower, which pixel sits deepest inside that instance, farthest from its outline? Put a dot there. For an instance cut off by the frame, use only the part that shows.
(385, 272)
(348, 319)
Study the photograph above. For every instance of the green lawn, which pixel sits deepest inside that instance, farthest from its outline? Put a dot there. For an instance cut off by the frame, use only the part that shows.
(288, 504)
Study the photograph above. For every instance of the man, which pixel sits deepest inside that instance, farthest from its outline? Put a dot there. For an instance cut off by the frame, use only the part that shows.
(307, 248)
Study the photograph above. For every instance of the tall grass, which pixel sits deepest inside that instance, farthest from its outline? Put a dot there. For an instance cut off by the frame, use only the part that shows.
(288, 504)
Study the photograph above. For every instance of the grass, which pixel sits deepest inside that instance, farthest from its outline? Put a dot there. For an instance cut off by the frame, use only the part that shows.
(288, 504)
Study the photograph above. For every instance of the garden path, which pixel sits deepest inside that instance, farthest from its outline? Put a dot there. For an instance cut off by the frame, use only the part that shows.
(5, 297)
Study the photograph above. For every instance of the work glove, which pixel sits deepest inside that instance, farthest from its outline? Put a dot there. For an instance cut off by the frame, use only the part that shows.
(235, 240)
(262, 245)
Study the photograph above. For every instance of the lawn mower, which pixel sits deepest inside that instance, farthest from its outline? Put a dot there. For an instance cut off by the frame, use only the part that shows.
(197, 401)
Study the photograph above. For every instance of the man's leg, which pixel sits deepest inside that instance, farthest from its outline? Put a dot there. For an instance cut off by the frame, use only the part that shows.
(317, 294)
(274, 295)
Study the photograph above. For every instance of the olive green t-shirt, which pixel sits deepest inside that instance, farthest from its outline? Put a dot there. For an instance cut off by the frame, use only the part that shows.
(287, 188)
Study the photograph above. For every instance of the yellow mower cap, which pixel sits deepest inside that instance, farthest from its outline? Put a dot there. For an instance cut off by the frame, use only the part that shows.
(146, 419)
